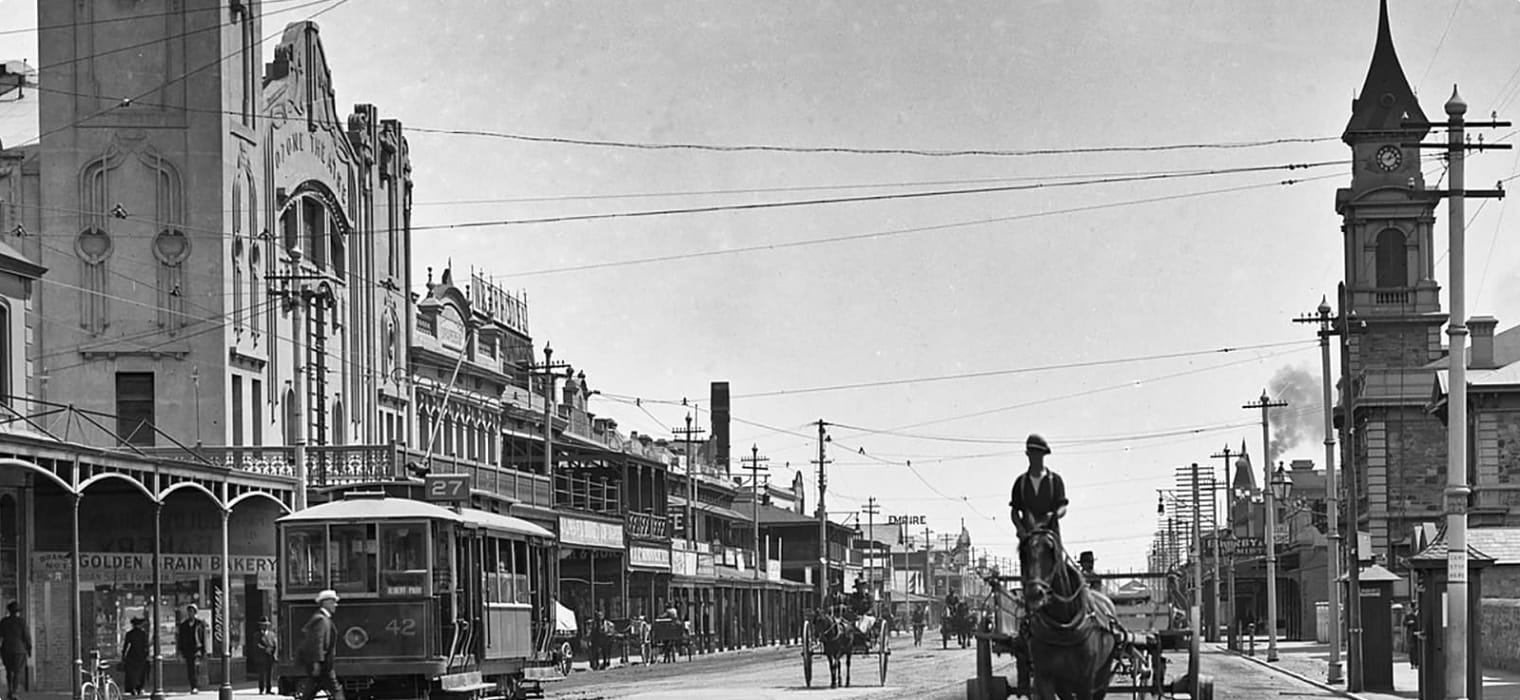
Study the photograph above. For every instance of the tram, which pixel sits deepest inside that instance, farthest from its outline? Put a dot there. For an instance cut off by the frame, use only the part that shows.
(435, 602)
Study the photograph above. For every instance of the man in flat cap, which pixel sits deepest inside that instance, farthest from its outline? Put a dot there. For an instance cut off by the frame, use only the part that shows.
(1039, 496)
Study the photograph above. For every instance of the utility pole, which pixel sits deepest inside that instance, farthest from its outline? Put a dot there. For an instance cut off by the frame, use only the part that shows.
(1197, 579)
(546, 370)
(928, 573)
(686, 435)
(1265, 405)
(1332, 513)
(1226, 600)
(753, 465)
(871, 510)
(823, 516)
(321, 297)
(1457, 489)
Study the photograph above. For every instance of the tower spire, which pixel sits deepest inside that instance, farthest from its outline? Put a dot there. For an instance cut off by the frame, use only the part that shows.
(1386, 100)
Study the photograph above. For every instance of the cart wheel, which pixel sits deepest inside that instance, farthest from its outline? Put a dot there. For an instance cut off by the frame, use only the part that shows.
(883, 651)
(807, 653)
(1204, 688)
(566, 655)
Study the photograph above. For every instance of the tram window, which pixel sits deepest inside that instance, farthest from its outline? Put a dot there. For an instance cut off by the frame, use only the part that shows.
(404, 552)
(353, 558)
(306, 557)
(520, 571)
(443, 550)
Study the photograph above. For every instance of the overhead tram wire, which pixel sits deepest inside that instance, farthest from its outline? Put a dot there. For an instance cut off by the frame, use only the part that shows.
(754, 206)
(924, 152)
(767, 247)
(1019, 370)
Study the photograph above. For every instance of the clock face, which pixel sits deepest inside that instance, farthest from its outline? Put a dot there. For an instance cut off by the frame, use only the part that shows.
(1389, 158)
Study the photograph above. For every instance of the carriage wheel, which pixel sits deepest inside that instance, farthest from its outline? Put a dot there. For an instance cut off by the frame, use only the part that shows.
(566, 655)
(883, 651)
(807, 653)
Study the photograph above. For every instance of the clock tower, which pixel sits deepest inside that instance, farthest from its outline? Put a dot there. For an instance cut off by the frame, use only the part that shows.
(1387, 215)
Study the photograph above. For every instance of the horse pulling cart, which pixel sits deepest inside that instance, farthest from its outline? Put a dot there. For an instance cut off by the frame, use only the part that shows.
(834, 637)
(1072, 639)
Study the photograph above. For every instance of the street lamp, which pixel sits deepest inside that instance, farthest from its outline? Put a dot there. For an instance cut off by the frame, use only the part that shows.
(1282, 486)
(1276, 484)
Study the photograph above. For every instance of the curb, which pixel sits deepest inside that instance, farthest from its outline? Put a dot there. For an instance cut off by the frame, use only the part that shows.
(1291, 674)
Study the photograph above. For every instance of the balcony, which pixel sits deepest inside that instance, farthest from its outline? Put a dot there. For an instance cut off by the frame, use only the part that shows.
(356, 464)
(581, 492)
(647, 525)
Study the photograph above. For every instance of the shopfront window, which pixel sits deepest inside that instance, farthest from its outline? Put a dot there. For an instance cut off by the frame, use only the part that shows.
(353, 558)
(404, 548)
(306, 558)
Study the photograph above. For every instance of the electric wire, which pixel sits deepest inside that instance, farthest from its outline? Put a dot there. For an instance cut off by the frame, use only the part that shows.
(129, 18)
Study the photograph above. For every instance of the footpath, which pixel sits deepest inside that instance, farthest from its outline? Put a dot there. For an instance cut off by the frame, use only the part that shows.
(1310, 662)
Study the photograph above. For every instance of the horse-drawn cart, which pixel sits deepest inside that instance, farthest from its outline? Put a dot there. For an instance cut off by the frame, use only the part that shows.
(1141, 623)
(668, 639)
(834, 637)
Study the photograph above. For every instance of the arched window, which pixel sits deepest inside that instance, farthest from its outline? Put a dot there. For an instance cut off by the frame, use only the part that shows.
(1392, 260)
(292, 417)
(340, 436)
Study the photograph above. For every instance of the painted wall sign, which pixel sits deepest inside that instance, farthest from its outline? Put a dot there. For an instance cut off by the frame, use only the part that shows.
(649, 557)
(683, 562)
(138, 567)
(450, 328)
(590, 533)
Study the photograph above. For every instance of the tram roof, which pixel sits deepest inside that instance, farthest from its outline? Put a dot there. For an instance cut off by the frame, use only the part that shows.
(503, 522)
(373, 509)
(408, 509)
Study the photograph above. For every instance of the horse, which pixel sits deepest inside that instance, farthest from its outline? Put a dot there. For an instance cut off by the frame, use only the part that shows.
(1071, 628)
(837, 637)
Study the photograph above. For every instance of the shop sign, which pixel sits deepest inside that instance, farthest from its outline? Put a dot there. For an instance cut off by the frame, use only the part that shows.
(705, 565)
(138, 567)
(683, 562)
(649, 557)
(907, 520)
(590, 533)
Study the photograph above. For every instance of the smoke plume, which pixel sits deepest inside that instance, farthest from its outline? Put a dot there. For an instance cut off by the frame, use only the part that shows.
(1298, 421)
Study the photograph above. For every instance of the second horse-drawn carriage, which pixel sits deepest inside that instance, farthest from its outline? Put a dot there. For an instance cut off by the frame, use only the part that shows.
(839, 634)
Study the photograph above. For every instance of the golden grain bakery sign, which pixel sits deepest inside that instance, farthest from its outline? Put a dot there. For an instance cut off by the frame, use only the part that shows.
(136, 567)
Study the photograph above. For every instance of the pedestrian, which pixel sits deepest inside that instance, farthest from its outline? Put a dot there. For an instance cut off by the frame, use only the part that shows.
(598, 639)
(15, 647)
(190, 642)
(265, 651)
(134, 656)
(319, 647)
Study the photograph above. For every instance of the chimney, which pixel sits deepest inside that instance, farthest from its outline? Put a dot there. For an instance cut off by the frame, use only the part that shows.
(1482, 330)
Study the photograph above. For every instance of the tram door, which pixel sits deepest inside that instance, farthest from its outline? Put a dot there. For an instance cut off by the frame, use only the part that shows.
(467, 584)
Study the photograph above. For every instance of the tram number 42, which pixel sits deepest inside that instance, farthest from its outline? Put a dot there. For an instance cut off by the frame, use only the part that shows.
(447, 487)
(402, 627)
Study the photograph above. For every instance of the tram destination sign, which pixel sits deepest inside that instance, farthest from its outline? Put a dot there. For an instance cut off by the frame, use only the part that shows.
(446, 488)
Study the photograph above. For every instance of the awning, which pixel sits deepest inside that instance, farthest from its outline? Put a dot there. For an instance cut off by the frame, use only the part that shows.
(720, 511)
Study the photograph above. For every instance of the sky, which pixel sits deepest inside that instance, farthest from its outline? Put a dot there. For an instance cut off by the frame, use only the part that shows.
(1087, 305)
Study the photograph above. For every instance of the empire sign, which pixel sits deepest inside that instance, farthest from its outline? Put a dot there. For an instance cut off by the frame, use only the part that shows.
(907, 520)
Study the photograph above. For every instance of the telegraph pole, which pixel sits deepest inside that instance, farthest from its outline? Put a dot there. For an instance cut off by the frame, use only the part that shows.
(1457, 489)
(546, 370)
(871, 510)
(928, 552)
(686, 435)
(753, 465)
(1197, 580)
(823, 516)
(1332, 513)
(1265, 405)
(1226, 600)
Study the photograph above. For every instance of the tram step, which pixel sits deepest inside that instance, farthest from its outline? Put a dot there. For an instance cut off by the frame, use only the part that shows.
(470, 688)
(542, 673)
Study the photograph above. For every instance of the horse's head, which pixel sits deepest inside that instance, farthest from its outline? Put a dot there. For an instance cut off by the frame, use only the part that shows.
(1042, 562)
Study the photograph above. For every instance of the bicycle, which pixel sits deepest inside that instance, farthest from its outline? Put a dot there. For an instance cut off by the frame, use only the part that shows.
(98, 684)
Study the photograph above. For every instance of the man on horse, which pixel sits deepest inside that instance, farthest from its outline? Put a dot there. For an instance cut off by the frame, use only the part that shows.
(1039, 495)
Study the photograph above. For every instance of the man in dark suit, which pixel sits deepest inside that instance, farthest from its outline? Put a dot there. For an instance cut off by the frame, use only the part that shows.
(134, 657)
(15, 647)
(266, 648)
(190, 642)
(318, 650)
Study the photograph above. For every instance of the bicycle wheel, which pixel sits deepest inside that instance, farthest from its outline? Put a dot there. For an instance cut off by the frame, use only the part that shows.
(87, 691)
(111, 690)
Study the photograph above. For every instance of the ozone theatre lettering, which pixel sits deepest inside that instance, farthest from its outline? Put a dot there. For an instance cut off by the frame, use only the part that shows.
(308, 158)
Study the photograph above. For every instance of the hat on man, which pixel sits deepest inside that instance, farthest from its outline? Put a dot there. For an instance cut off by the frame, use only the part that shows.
(1035, 443)
(13, 606)
(328, 594)
(191, 607)
(264, 620)
(137, 621)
